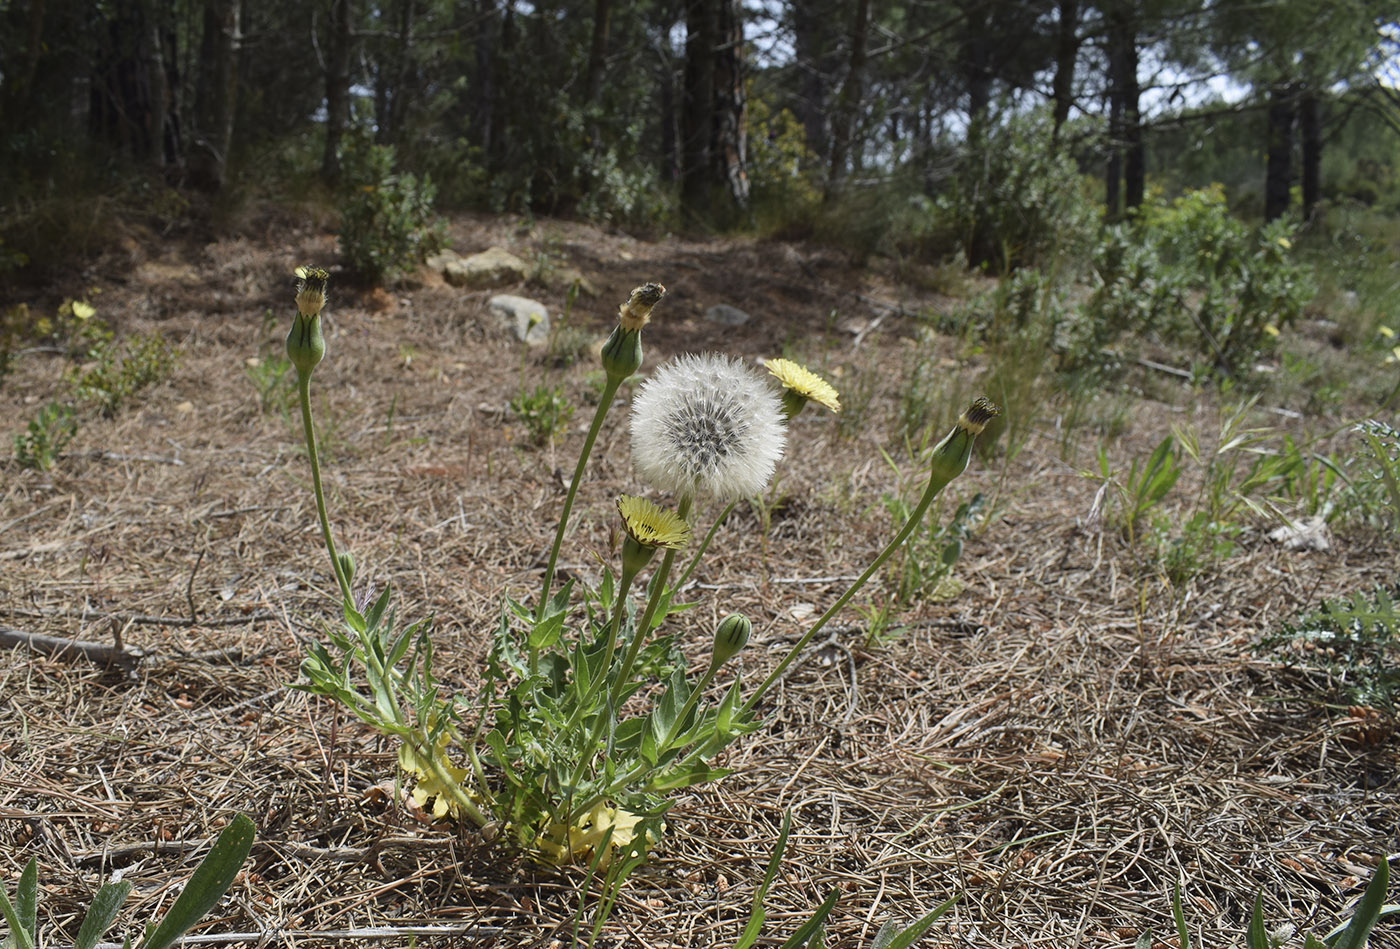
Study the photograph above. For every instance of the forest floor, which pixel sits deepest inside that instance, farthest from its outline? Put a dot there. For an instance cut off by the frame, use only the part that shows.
(1059, 744)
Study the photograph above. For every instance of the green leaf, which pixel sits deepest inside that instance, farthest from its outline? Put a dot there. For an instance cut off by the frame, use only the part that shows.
(27, 898)
(211, 879)
(1257, 937)
(1184, 940)
(810, 933)
(23, 938)
(105, 904)
(755, 923)
(1144, 941)
(905, 939)
(697, 772)
(1367, 912)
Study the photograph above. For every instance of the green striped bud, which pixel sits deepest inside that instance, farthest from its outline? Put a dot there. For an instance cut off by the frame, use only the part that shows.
(622, 353)
(731, 636)
(306, 346)
(950, 455)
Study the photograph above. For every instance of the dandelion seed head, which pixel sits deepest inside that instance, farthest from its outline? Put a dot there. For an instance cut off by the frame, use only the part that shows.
(707, 425)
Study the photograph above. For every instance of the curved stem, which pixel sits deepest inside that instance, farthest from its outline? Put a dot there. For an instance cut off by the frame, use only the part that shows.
(916, 516)
(604, 402)
(658, 587)
(309, 428)
(704, 544)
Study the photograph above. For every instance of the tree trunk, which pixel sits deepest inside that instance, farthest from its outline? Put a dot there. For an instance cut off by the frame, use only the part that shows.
(1126, 159)
(337, 89)
(483, 108)
(215, 94)
(732, 110)
(1310, 130)
(597, 51)
(811, 27)
(698, 103)
(852, 91)
(976, 53)
(1066, 53)
(1278, 176)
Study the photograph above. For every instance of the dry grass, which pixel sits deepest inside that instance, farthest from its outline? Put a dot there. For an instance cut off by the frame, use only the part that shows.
(1059, 745)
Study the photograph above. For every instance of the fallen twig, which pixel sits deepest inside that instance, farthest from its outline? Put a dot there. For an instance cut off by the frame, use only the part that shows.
(56, 646)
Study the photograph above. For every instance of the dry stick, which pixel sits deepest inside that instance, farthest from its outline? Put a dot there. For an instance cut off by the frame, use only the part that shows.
(56, 646)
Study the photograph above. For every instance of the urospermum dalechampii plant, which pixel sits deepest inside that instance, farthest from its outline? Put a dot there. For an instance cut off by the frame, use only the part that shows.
(587, 717)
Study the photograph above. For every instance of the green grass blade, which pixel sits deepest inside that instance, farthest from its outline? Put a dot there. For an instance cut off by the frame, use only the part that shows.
(1184, 940)
(207, 886)
(1258, 937)
(109, 899)
(905, 939)
(1367, 912)
(810, 932)
(755, 923)
(22, 938)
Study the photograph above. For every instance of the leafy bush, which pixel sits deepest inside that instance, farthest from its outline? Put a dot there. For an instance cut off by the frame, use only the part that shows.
(387, 223)
(1014, 200)
(46, 435)
(545, 412)
(1193, 274)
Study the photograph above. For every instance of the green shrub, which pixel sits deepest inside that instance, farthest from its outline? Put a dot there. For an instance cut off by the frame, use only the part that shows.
(1015, 200)
(387, 223)
(1193, 274)
(46, 435)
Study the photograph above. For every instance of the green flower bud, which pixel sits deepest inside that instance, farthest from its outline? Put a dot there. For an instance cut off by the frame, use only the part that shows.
(347, 566)
(306, 346)
(622, 353)
(730, 636)
(950, 455)
(635, 555)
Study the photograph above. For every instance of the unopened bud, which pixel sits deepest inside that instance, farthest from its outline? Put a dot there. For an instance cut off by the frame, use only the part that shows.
(622, 353)
(306, 346)
(731, 636)
(347, 566)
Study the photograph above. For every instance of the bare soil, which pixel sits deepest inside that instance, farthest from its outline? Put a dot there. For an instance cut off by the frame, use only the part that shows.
(1059, 744)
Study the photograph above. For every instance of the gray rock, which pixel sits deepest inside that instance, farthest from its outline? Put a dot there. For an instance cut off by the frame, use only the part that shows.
(726, 315)
(527, 319)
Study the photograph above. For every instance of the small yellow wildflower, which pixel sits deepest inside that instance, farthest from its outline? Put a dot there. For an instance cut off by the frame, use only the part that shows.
(804, 383)
(428, 786)
(577, 842)
(1271, 329)
(83, 310)
(652, 526)
(1386, 331)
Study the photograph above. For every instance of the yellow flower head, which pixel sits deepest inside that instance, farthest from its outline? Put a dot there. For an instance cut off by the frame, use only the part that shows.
(83, 310)
(633, 314)
(804, 383)
(577, 842)
(652, 526)
(1386, 331)
(311, 290)
(428, 786)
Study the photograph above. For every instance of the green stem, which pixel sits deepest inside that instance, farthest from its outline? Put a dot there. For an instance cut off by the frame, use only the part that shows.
(704, 544)
(658, 587)
(604, 402)
(935, 485)
(595, 686)
(309, 428)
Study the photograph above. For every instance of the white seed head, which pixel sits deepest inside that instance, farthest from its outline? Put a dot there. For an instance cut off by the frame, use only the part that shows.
(707, 425)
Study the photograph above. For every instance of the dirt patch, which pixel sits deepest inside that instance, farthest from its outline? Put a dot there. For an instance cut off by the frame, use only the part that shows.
(1061, 743)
